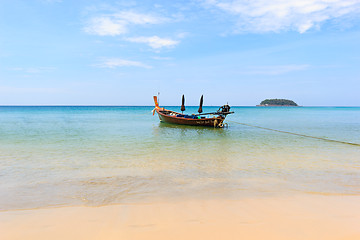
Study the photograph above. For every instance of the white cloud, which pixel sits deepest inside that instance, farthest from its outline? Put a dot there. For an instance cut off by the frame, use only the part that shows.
(118, 23)
(117, 62)
(279, 15)
(274, 70)
(106, 26)
(138, 18)
(154, 41)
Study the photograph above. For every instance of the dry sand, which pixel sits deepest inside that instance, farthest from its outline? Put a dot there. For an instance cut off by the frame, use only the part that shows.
(304, 217)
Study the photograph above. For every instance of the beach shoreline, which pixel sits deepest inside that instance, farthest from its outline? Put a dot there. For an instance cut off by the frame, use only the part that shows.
(303, 216)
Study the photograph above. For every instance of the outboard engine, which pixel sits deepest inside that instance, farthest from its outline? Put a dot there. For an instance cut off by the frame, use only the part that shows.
(224, 109)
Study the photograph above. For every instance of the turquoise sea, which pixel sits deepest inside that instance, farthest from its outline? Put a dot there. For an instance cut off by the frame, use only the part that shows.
(65, 156)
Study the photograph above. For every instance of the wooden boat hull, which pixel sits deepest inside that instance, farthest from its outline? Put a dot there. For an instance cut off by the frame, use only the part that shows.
(210, 122)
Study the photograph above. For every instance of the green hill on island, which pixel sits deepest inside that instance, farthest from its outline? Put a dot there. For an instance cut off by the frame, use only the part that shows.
(278, 102)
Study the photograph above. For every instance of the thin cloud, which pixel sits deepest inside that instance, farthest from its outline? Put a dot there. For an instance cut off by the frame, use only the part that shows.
(154, 41)
(106, 26)
(117, 62)
(51, 1)
(182, 35)
(118, 23)
(274, 70)
(138, 18)
(17, 90)
(283, 15)
(162, 58)
(33, 70)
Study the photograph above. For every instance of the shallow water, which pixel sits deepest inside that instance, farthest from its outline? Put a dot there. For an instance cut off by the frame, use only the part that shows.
(51, 156)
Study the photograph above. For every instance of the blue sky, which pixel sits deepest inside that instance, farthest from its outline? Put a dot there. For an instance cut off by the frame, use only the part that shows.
(90, 52)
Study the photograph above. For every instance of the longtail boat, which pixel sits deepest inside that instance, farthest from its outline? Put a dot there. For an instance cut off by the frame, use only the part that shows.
(212, 119)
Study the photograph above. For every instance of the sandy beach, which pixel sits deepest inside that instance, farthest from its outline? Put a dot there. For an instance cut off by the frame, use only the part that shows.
(297, 217)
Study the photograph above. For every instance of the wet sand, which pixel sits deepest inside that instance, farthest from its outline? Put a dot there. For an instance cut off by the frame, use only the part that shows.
(304, 217)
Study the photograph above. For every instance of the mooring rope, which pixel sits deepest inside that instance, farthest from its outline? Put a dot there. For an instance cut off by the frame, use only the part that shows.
(297, 134)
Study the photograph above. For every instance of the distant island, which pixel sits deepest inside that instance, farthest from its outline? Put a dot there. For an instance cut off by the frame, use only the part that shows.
(278, 102)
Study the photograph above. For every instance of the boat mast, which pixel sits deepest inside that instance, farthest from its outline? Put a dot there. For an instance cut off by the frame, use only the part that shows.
(183, 104)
